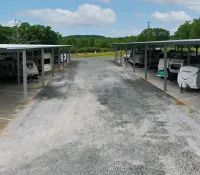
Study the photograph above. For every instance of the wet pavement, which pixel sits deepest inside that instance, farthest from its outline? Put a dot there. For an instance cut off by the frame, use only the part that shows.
(98, 118)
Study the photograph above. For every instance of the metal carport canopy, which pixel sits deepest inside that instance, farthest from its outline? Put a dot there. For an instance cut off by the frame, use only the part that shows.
(186, 42)
(19, 47)
(23, 48)
(168, 42)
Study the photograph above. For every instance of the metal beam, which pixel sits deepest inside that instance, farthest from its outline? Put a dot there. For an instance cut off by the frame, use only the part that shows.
(145, 62)
(53, 60)
(42, 57)
(25, 77)
(165, 67)
(197, 50)
(126, 56)
(188, 56)
(134, 58)
(18, 68)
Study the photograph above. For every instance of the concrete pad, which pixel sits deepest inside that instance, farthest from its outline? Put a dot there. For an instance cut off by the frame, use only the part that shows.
(12, 97)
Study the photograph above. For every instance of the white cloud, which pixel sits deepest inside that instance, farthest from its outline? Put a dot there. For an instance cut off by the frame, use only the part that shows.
(86, 14)
(172, 16)
(190, 4)
(8, 23)
(132, 31)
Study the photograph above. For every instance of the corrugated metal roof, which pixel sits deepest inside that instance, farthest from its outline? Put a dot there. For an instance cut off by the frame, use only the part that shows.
(28, 46)
(161, 43)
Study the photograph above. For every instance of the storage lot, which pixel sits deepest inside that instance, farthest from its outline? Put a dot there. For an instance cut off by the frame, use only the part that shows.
(97, 117)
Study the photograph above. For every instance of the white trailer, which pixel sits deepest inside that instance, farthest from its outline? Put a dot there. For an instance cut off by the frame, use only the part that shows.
(47, 62)
(189, 76)
(8, 68)
(174, 67)
(160, 72)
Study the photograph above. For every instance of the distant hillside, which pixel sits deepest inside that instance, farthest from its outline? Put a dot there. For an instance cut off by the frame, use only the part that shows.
(86, 36)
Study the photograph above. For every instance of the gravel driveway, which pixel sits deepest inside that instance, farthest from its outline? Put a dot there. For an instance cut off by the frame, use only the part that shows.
(98, 118)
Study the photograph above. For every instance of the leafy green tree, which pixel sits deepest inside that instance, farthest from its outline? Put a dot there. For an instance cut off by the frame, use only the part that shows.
(4, 32)
(195, 29)
(184, 31)
(154, 34)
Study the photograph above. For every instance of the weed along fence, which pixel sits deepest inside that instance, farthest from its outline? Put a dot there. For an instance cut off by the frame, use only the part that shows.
(181, 65)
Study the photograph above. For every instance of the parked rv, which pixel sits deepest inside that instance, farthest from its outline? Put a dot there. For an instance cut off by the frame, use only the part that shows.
(8, 69)
(160, 72)
(32, 70)
(47, 62)
(174, 67)
(155, 57)
(189, 76)
(129, 55)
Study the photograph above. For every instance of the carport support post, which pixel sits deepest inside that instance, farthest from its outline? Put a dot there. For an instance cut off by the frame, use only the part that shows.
(150, 56)
(133, 58)
(18, 68)
(165, 67)
(66, 56)
(63, 57)
(25, 77)
(115, 55)
(59, 56)
(69, 55)
(188, 56)
(126, 56)
(121, 55)
(145, 62)
(42, 56)
(53, 56)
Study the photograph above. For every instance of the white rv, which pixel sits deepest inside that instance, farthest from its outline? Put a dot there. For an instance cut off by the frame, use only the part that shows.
(155, 57)
(32, 70)
(189, 76)
(47, 62)
(160, 72)
(174, 67)
(129, 55)
(38, 61)
(8, 68)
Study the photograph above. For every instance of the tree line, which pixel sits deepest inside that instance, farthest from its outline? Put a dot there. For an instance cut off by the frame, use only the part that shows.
(22, 33)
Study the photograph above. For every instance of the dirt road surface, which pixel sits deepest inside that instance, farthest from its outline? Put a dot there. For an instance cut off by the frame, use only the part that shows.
(98, 118)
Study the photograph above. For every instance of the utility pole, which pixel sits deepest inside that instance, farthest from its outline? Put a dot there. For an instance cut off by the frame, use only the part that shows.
(148, 23)
(148, 27)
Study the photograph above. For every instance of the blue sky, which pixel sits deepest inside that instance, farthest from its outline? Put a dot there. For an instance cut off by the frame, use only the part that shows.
(102, 17)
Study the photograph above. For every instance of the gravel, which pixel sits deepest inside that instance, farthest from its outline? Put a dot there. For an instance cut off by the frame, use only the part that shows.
(98, 118)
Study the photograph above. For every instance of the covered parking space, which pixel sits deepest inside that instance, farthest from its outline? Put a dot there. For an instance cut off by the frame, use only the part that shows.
(18, 92)
(173, 89)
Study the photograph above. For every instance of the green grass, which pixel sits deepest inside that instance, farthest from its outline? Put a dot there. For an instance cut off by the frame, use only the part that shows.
(91, 55)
